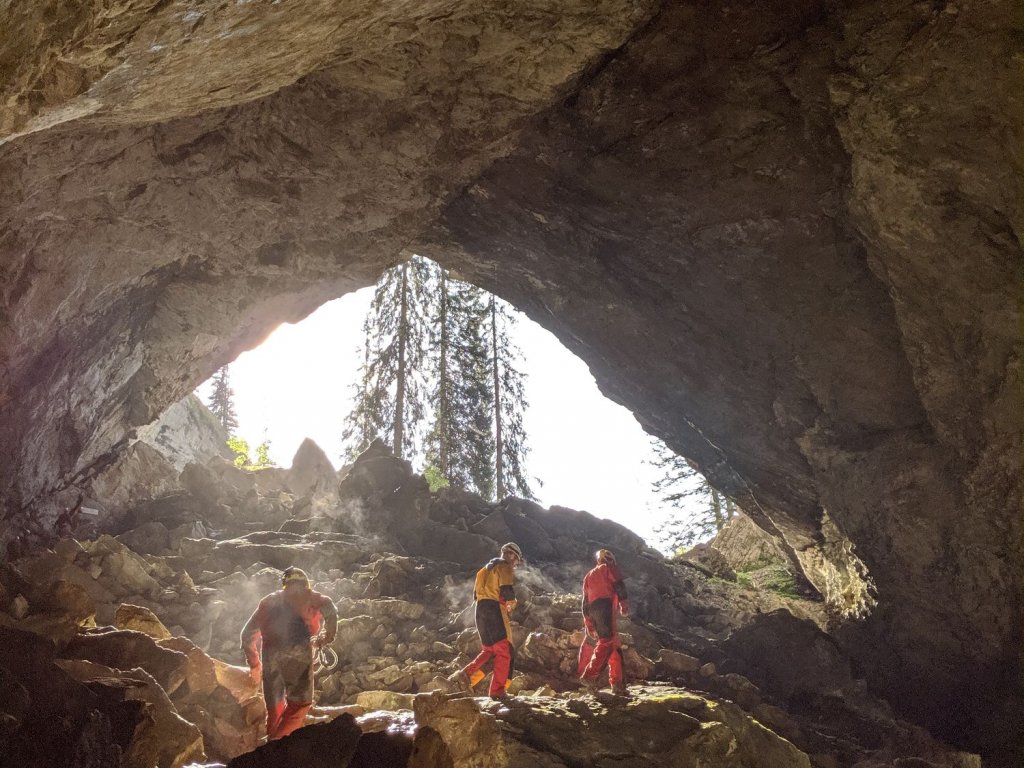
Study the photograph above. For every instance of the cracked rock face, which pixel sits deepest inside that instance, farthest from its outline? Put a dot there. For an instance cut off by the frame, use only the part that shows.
(786, 235)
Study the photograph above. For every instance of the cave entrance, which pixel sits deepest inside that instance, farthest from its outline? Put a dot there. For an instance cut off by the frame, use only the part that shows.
(333, 378)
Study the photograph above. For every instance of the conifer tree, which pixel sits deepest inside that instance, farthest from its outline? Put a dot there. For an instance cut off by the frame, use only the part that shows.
(366, 421)
(460, 444)
(389, 402)
(222, 401)
(510, 448)
(701, 510)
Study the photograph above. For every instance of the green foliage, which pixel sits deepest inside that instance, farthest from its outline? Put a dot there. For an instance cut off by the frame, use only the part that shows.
(435, 478)
(263, 455)
(240, 447)
(775, 578)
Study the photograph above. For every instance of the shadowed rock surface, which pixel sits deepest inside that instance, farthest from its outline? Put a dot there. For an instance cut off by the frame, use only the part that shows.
(723, 675)
(786, 235)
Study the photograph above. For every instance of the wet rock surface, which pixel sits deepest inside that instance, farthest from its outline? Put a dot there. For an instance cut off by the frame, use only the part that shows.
(741, 676)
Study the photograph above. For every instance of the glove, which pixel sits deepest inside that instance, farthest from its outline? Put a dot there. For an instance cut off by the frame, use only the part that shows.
(623, 608)
(511, 606)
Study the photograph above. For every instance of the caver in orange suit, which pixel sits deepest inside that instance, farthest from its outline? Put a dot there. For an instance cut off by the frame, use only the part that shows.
(278, 641)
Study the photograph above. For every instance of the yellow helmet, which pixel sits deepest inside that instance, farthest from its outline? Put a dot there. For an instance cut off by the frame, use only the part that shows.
(292, 574)
(604, 556)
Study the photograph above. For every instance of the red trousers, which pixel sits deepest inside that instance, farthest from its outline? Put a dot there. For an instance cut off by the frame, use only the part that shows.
(607, 651)
(283, 717)
(501, 651)
(287, 688)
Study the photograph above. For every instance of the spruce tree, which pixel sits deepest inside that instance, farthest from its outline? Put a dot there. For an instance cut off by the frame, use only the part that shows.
(389, 403)
(222, 401)
(460, 444)
(365, 422)
(701, 511)
(510, 448)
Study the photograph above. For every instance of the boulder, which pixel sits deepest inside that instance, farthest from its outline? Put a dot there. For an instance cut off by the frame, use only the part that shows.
(141, 473)
(321, 745)
(19, 607)
(473, 738)
(163, 739)
(441, 543)
(427, 750)
(126, 649)
(746, 547)
(46, 715)
(69, 549)
(150, 538)
(388, 700)
(70, 599)
(200, 669)
(378, 493)
(790, 657)
(39, 572)
(390, 608)
(711, 561)
(310, 552)
(672, 663)
(393, 577)
(139, 619)
(311, 470)
(124, 571)
(554, 651)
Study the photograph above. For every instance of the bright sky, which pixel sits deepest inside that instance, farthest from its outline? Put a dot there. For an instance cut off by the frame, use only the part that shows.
(588, 452)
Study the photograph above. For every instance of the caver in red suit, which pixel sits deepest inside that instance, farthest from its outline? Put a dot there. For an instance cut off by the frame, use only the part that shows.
(604, 598)
(278, 641)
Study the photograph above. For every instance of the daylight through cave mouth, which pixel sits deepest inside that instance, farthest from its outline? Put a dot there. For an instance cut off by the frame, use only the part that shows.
(332, 377)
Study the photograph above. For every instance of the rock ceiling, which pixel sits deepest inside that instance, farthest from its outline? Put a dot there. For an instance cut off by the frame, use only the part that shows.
(786, 235)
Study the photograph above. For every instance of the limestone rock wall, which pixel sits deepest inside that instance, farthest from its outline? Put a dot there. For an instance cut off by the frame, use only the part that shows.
(749, 222)
(202, 215)
(187, 433)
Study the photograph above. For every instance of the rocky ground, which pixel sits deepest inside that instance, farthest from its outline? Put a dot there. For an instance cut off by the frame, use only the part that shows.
(121, 646)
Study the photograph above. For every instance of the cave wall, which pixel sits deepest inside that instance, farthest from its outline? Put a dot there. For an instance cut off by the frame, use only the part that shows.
(185, 213)
(786, 235)
(819, 210)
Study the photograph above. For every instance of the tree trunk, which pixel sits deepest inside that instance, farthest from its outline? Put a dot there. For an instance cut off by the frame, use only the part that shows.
(716, 506)
(443, 412)
(499, 446)
(366, 392)
(403, 333)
